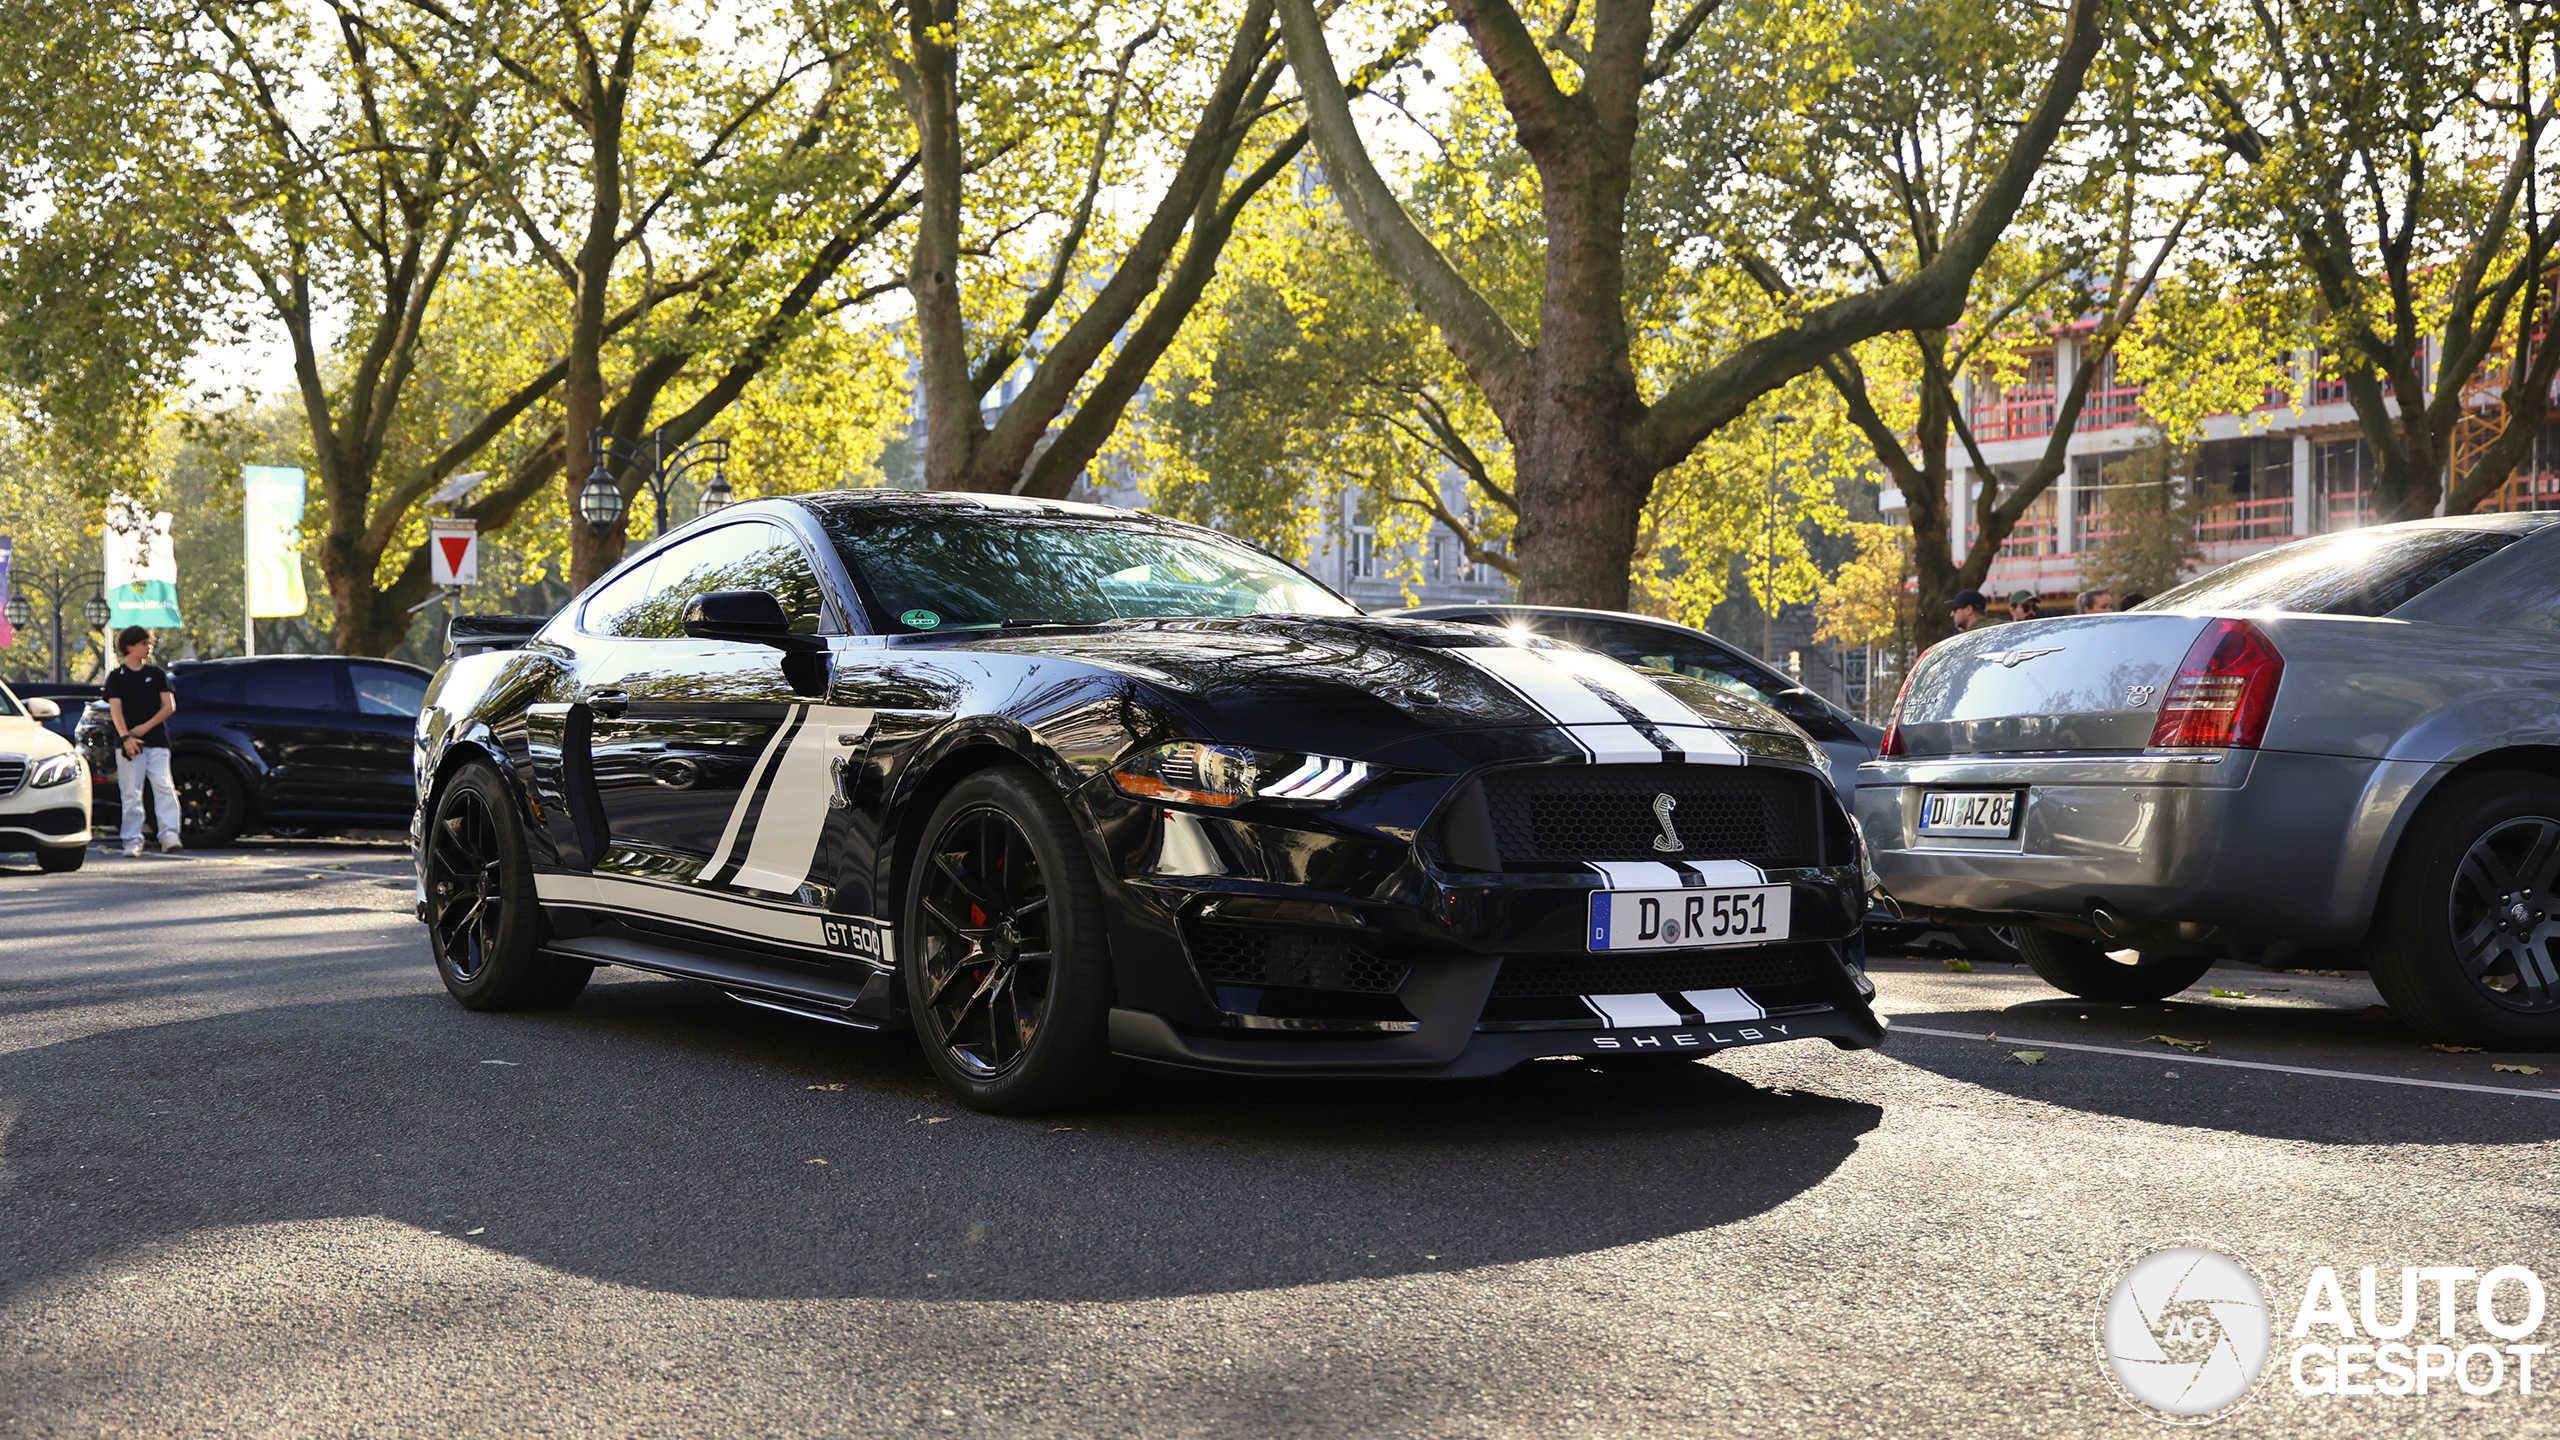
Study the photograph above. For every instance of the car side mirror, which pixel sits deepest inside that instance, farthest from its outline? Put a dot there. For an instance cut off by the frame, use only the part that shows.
(39, 708)
(752, 616)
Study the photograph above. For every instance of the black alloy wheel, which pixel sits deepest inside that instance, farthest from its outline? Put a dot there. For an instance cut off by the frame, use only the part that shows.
(212, 803)
(483, 924)
(1005, 973)
(2504, 914)
(2469, 929)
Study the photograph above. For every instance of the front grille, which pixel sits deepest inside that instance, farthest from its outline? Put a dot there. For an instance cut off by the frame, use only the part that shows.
(1772, 973)
(1277, 955)
(13, 773)
(1569, 814)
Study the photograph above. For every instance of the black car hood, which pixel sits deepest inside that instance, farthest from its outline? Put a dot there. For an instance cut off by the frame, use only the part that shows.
(1364, 681)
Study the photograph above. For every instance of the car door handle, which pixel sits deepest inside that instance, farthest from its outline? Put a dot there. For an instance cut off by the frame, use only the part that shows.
(611, 704)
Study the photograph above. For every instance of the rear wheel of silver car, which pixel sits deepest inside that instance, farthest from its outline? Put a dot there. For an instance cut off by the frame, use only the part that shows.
(483, 923)
(1007, 973)
(2469, 928)
(2084, 968)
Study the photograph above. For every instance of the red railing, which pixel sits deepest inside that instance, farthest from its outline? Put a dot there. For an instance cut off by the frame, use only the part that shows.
(2526, 492)
(2019, 414)
(2246, 522)
(2115, 405)
(2223, 533)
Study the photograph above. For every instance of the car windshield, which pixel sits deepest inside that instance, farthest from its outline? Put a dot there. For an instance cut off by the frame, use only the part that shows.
(963, 571)
(2360, 572)
(9, 703)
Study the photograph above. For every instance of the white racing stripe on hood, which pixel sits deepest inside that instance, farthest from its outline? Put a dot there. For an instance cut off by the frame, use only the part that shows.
(1591, 722)
(1679, 724)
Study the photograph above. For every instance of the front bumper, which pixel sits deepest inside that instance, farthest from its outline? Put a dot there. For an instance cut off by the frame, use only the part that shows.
(2211, 847)
(1375, 960)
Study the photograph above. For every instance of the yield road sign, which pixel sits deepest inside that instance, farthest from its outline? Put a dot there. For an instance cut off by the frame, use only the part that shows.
(453, 552)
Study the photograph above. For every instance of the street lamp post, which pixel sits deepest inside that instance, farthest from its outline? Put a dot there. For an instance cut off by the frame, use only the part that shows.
(601, 504)
(57, 586)
(1769, 612)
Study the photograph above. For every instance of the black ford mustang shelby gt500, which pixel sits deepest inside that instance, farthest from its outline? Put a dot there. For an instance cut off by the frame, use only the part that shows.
(1054, 782)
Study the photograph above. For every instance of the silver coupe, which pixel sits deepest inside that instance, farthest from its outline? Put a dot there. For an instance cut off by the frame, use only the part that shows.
(2343, 751)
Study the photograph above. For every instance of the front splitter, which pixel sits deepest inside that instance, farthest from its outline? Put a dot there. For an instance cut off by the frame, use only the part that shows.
(1142, 1036)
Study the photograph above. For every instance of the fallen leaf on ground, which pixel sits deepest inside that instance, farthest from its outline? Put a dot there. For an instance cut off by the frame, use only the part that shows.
(1062, 1129)
(2029, 1057)
(938, 1119)
(2332, 974)
(826, 1087)
(2230, 994)
(2192, 1047)
(501, 1062)
(2456, 1049)
(477, 1230)
(817, 1162)
(2517, 1069)
(1961, 967)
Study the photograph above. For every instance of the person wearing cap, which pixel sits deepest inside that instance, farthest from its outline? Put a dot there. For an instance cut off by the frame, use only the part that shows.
(2022, 605)
(1969, 609)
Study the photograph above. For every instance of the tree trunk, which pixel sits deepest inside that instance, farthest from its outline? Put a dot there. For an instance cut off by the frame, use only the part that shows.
(582, 392)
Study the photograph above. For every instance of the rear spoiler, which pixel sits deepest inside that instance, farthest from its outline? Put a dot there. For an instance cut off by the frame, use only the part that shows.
(472, 634)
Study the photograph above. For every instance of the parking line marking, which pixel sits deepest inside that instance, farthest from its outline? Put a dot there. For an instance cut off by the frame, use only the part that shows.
(1902, 1029)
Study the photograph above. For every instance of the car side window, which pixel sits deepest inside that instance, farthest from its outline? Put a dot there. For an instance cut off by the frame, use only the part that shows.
(1648, 648)
(619, 606)
(222, 685)
(298, 686)
(381, 690)
(750, 555)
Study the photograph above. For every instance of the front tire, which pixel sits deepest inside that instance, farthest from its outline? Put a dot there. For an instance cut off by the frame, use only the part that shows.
(61, 859)
(1007, 974)
(2469, 928)
(2080, 967)
(483, 923)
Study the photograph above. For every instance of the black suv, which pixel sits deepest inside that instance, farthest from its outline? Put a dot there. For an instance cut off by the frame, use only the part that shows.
(286, 744)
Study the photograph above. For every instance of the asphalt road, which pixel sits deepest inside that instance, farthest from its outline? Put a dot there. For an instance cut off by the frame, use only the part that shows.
(260, 1177)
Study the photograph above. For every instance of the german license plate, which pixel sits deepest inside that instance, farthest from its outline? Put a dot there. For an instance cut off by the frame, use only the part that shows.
(1687, 919)
(1973, 814)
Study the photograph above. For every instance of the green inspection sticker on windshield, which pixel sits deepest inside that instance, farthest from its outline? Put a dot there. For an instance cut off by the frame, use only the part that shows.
(920, 620)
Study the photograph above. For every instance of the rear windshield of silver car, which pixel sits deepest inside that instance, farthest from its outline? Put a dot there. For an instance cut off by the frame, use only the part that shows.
(2359, 572)
(959, 572)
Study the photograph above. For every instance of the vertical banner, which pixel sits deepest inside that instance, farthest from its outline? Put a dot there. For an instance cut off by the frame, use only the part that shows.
(8, 635)
(141, 566)
(271, 539)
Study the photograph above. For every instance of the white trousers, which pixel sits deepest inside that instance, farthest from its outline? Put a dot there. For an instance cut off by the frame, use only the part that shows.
(132, 773)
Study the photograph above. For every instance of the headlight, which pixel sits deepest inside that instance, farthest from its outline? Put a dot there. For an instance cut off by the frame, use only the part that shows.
(57, 770)
(1194, 772)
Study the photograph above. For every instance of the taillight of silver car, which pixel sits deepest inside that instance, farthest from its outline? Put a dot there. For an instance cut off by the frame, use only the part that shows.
(1892, 742)
(2223, 691)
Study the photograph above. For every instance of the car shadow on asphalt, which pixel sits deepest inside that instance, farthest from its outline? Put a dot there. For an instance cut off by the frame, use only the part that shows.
(660, 1136)
(2165, 1085)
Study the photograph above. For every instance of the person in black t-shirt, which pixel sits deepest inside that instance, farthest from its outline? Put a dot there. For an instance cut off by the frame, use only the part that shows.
(140, 701)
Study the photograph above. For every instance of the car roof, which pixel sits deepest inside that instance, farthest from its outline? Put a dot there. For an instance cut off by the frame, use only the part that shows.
(220, 660)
